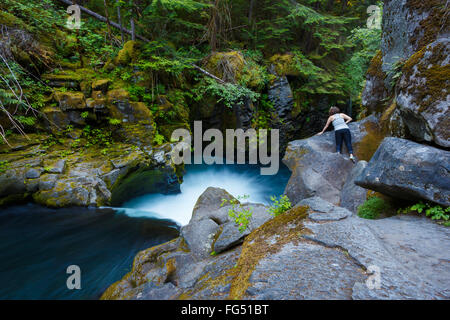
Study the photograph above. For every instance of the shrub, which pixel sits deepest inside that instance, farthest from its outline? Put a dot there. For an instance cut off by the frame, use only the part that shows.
(279, 206)
(435, 212)
(372, 208)
(237, 212)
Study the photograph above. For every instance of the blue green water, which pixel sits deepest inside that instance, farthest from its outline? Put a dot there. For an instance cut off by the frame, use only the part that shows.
(37, 244)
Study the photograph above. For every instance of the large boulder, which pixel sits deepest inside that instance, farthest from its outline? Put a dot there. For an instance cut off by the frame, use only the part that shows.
(407, 81)
(211, 230)
(408, 170)
(352, 195)
(423, 99)
(330, 255)
(282, 98)
(317, 170)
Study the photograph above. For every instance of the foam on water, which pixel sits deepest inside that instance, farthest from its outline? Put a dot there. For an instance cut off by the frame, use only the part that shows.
(236, 179)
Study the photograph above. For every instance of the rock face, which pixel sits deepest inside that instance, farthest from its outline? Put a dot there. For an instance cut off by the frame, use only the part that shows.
(423, 99)
(83, 177)
(212, 230)
(280, 94)
(415, 49)
(352, 195)
(316, 250)
(317, 170)
(408, 170)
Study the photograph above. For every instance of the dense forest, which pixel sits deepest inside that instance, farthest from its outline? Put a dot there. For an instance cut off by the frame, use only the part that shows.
(187, 53)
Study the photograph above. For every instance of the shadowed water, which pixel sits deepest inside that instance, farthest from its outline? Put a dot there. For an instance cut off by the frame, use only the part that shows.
(37, 245)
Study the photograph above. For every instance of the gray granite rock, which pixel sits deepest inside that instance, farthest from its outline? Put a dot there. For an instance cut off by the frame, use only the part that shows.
(321, 210)
(317, 170)
(33, 174)
(352, 195)
(303, 259)
(408, 170)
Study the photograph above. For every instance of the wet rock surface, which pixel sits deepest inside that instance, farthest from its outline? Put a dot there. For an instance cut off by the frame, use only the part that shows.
(297, 256)
(82, 177)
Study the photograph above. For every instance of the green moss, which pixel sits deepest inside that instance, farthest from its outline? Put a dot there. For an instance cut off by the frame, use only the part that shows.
(375, 67)
(428, 68)
(287, 227)
(365, 149)
(12, 21)
(226, 65)
(284, 65)
(373, 208)
(429, 27)
(128, 53)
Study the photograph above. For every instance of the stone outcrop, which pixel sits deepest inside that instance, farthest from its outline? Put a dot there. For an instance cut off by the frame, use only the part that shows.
(423, 99)
(212, 230)
(408, 170)
(316, 250)
(407, 82)
(317, 170)
(282, 98)
(83, 177)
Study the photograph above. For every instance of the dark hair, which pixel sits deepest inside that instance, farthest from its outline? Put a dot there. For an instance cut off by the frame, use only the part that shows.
(334, 110)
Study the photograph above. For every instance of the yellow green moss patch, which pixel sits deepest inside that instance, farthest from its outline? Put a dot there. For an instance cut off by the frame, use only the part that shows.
(284, 65)
(226, 65)
(286, 228)
(370, 143)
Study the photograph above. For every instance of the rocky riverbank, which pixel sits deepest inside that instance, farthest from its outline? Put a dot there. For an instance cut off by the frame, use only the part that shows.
(314, 251)
(56, 177)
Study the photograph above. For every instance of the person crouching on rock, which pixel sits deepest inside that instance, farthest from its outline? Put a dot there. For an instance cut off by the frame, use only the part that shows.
(341, 130)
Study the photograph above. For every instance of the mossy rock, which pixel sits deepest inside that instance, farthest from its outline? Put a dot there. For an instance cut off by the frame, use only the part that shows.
(284, 65)
(56, 116)
(101, 85)
(70, 100)
(116, 95)
(138, 183)
(226, 65)
(128, 53)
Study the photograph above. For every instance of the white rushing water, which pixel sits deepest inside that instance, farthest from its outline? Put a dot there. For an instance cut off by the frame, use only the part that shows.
(236, 179)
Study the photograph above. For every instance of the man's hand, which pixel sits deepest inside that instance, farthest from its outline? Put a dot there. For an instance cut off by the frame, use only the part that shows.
(320, 133)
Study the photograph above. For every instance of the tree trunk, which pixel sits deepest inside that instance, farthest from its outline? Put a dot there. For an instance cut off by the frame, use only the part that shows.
(107, 21)
(250, 11)
(133, 30)
(119, 18)
(103, 19)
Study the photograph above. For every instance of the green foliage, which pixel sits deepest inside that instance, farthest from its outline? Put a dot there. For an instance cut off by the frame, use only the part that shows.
(366, 43)
(97, 137)
(84, 114)
(279, 206)
(372, 208)
(114, 122)
(28, 121)
(435, 212)
(230, 94)
(238, 213)
(4, 165)
(159, 139)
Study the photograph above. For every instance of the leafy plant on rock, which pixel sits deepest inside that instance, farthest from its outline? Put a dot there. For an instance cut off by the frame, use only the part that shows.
(238, 213)
(279, 206)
